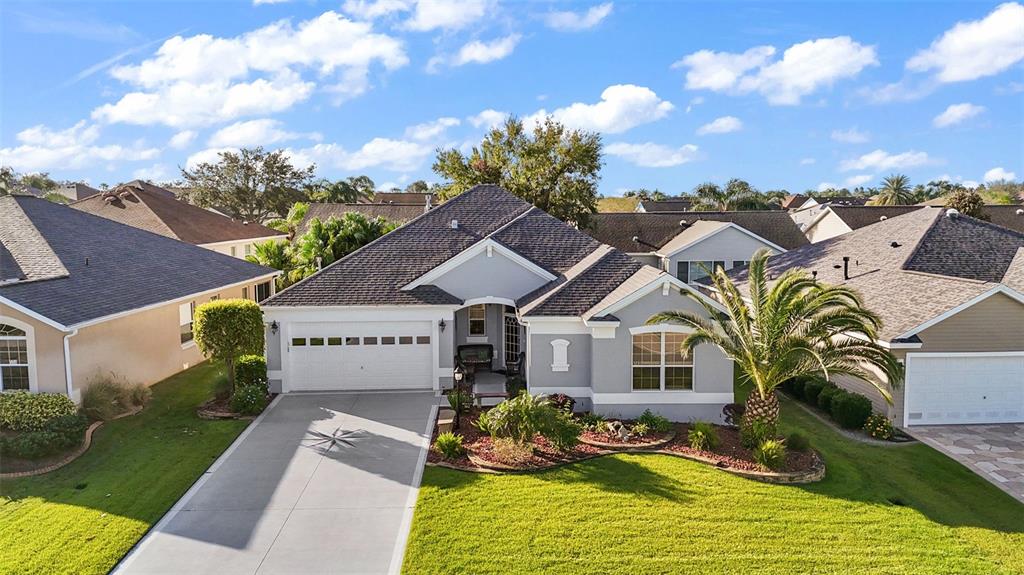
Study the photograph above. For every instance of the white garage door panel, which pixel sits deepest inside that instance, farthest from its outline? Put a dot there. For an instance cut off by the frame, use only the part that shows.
(965, 388)
(361, 366)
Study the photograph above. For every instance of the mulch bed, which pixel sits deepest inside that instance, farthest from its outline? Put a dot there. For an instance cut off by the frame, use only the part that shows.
(731, 453)
(653, 439)
(221, 409)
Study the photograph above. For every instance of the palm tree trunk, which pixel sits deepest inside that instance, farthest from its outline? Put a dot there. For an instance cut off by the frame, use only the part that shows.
(763, 409)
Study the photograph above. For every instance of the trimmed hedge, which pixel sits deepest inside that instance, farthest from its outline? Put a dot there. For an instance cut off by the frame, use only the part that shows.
(251, 370)
(825, 397)
(25, 411)
(850, 410)
(59, 434)
(811, 390)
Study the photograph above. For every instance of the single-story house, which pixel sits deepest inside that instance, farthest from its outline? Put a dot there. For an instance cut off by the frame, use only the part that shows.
(685, 244)
(676, 204)
(798, 202)
(836, 220)
(950, 292)
(76, 191)
(488, 269)
(82, 295)
(399, 213)
(421, 199)
(152, 208)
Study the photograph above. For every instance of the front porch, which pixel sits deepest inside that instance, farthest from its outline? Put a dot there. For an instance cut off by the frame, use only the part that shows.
(489, 347)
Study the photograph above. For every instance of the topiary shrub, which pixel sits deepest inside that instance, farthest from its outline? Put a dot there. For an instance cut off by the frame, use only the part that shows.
(850, 410)
(227, 329)
(825, 397)
(251, 370)
(25, 411)
(811, 390)
(562, 402)
(249, 399)
(702, 436)
(798, 442)
(449, 445)
(770, 454)
(879, 427)
(658, 423)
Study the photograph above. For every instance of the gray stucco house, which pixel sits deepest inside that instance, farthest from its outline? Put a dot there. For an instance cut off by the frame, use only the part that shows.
(489, 268)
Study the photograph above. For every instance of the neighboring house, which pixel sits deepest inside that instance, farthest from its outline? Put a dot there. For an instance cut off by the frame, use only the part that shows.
(75, 192)
(949, 290)
(422, 199)
(81, 295)
(154, 209)
(399, 213)
(684, 244)
(798, 201)
(488, 268)
(837, 220)
(677, 204)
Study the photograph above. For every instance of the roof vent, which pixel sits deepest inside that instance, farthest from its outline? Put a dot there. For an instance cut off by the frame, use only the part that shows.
(245, 222)
(895, 245)
(953, 213)
(124, 194)
(109, 199)
(455, 224)
(883, 218)
(636, 239)
(1019, 212)
(682, 222)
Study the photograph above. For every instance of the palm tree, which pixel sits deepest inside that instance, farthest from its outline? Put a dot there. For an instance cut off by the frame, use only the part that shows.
(895, 191)
(737, 195)
(796, 327)
(276, 254)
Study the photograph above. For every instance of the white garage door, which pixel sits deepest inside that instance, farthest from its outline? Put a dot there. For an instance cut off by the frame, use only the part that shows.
(965, 388)
(360, 355)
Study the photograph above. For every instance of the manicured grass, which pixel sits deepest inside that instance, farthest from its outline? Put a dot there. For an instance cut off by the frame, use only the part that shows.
(83, 517)
(659, 514)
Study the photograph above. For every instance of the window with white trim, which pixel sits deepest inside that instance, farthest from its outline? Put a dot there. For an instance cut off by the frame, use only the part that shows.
(14, 367)
(186, 312)
(478, 319)
(660, 363)
(262, 291)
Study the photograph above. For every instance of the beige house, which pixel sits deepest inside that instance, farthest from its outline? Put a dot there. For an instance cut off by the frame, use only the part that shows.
(950, 292)
(82, 296)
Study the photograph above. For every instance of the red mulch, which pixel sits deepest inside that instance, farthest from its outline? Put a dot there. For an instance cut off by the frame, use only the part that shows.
(614, 438)
(731, 453)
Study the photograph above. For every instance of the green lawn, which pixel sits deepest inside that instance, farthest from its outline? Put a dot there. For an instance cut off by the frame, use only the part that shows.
(84, 517)
(660, 514)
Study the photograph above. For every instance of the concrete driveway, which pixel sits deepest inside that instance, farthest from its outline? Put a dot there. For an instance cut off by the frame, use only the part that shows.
(995, 452)
(320, 483)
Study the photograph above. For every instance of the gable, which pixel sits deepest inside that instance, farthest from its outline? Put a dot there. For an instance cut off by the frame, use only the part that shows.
(637, 312)
(726, 242)
(490, 273)
(828, 225)
(995, 323)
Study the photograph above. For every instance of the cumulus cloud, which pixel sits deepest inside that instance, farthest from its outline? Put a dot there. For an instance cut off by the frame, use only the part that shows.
(650, 155)
(44, 149)
(975, 49)
(154, 173)
(826, 186)
(382, 153)
(489, 118)
(880, 161)
(622, 106)
(568, 21)
(858, 180)
(956, 113)
(207, 156)
(182, 139)
(803, 69)
(431, 130)
(807, 161)
(477, 52)
(370, 9)
(722, 125)
(851, 136)
(996, 174)
(446, 14)
(261, 132)
(204, 79)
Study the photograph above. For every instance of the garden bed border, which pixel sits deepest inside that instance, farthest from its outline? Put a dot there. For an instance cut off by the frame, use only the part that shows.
(630, 446)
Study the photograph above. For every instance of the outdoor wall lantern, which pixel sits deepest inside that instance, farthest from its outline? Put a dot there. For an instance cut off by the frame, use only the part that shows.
(441, 325)
(274, 327)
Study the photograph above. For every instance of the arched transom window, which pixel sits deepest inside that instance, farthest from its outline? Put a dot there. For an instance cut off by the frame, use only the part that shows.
(13, 358)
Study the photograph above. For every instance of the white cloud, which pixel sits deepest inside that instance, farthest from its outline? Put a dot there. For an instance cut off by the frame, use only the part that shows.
(259, 2)
(446, 14)
(956, 113)
(431, 130)
(826, 186)
(975, 49)
(204, 79)
(45, 149)
(803, 69)
(209, 155)
(858, 180)
(851, 136)
(261, 132)
(489, 118)
(182, 139)
(154, 173)
(722, 125)
(695, 101)
(807, 161)
(650, 155)
(568, 21)
(369, 10)
(906, 90)
(880, 161)
(478, 52)
(383, 153)
(622, 106)
(998, 174)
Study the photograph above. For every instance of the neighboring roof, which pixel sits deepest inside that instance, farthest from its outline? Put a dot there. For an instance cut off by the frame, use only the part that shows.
(677, 204)
(794, 201)
(857, 217)
(154, 209)
(1011, 216)
(402, 198)
(110, 267)
(646, 233)
(24, 253)
(1014, 276)
(400, 213)
(78, 191)
(913, 267)
(845, 201)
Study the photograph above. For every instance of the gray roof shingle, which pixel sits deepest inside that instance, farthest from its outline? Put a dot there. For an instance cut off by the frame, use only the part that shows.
(113, 267)
(588, 288)
(644, 233)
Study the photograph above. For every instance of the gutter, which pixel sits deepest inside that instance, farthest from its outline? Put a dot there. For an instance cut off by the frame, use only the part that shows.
(67, 362)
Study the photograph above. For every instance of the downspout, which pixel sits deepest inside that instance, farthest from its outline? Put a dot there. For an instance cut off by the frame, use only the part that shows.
(67, 362)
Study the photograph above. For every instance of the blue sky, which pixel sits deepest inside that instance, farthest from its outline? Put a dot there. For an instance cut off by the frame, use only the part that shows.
(788, 95)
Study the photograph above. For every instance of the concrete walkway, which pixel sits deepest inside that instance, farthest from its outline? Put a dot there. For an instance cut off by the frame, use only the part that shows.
(321, 483)
(995, 452)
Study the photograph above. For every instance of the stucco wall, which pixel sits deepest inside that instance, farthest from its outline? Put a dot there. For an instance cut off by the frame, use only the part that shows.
(494, 326)
(827, 227)
(542, 356)
(240, 245)
(727, 245)
(48, 345)
(495, 276)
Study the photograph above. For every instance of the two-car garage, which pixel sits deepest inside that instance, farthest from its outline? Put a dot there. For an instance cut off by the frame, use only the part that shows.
(952, 388)
(360, 355)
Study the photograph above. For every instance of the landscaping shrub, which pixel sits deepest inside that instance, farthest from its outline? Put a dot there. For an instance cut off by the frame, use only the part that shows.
(562, 431)
(109, 395)
(798, 442)
(449, 445)
(59, 434)
(227, 329)
(509, 452)
(879, 427)
(24, 411)
(591, 421)
(524, 416)
(850, 410)
(796, 388)
(221, 387)
(770, 454)
(732, 413)
(251, 370)
(702, 436)
(640, 430)
(515, 385)
(562, 402)
(756, 433)
(811, 390)
(825, 397)
(249, 399)
(658, 423)
(459, 399)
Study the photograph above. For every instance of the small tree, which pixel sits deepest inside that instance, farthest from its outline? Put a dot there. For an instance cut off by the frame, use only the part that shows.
(227, 329)
(968, 203)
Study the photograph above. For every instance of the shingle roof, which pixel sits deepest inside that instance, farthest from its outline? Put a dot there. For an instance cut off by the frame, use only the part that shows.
(896, 268)
(400, 213)
(793, 201)
(652, 231)
(113, 267)
(1011, 216)
(401, 198)
(678, 204)
(154, 209)
(78, 191)
(25, 253)
(584, 291)
(856, 217)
